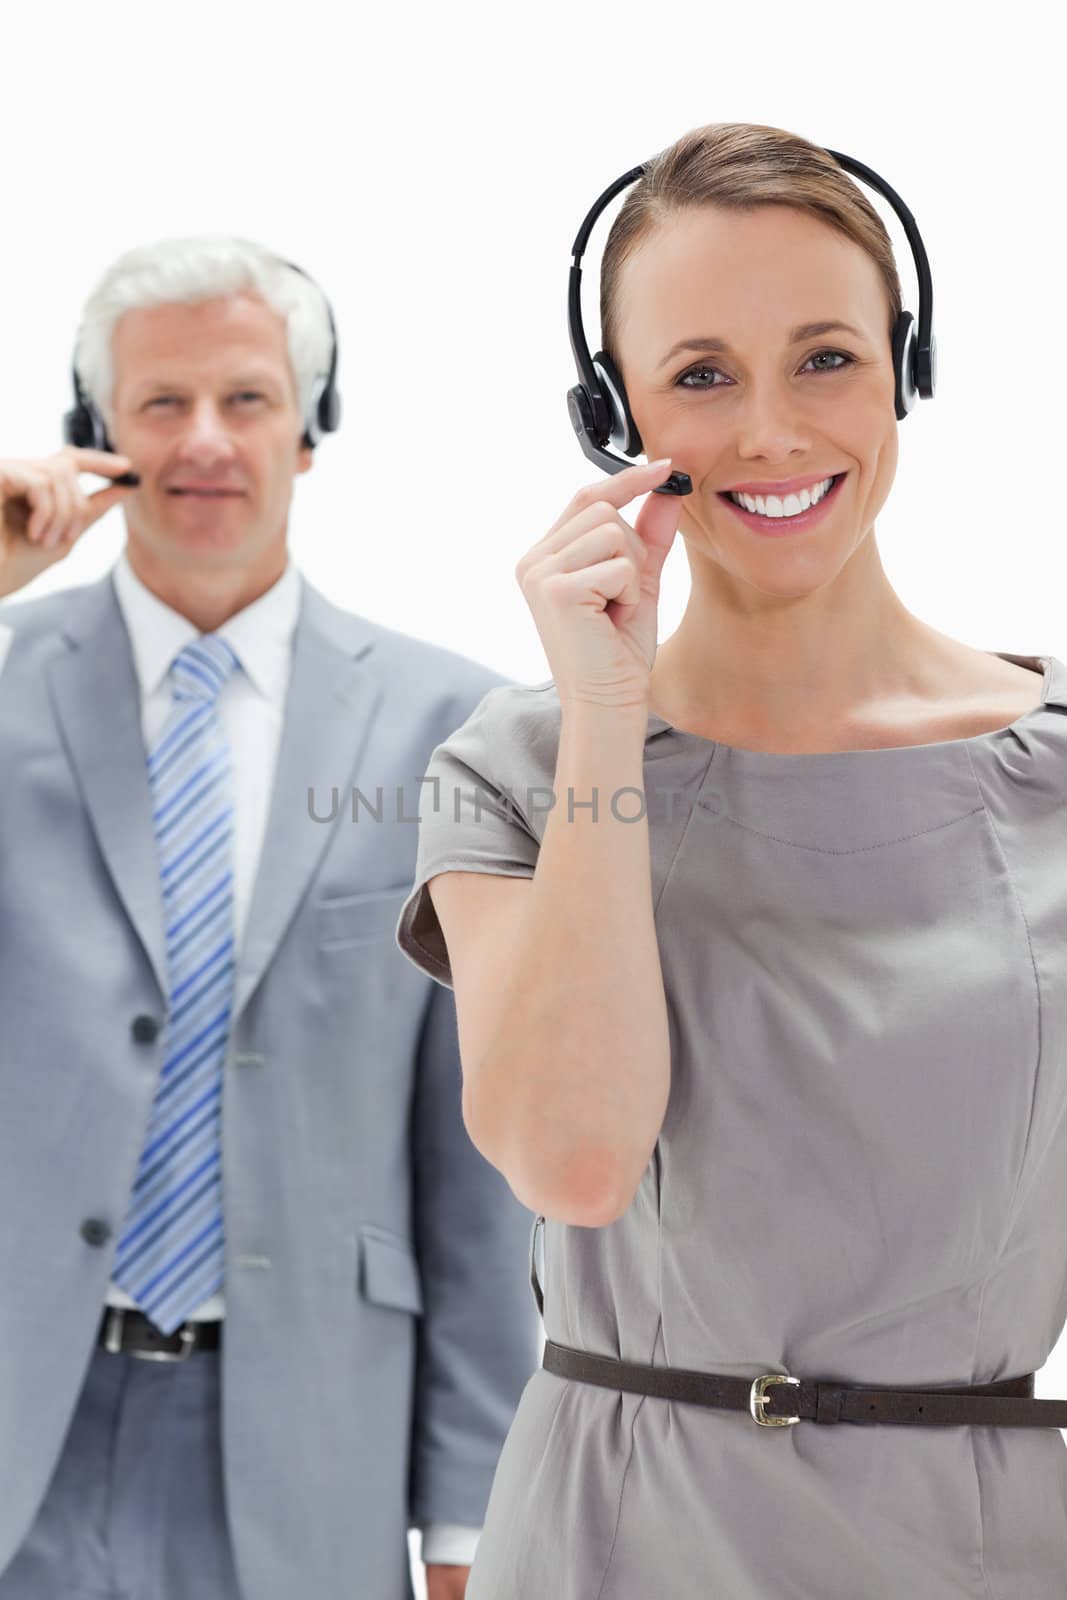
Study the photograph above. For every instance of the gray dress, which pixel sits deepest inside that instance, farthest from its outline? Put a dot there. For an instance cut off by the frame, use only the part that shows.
(861, 1175)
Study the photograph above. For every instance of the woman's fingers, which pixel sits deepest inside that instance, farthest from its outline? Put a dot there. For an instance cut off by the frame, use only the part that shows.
(591, 544)
(656, 525)
(617, 490)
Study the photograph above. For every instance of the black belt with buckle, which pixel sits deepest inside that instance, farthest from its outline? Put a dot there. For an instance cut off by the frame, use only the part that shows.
(126, 1332)
(777, 1399)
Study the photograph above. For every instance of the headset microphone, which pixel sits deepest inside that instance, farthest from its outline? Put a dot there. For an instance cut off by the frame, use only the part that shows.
(598, 406)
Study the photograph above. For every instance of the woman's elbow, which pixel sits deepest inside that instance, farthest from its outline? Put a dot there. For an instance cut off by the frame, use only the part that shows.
(587, 1189)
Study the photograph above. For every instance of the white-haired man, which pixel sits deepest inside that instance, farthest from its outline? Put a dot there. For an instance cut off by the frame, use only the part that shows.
(265, 1305)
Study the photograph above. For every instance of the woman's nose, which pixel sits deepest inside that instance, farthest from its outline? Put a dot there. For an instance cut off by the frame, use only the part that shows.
(769, 424)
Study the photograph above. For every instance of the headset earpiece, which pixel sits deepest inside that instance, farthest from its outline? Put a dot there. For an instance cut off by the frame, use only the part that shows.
(329, 409)
(324, 412)
(904, 364)
(325, 409)
(621, 428)
(83, 425)
(580, 411)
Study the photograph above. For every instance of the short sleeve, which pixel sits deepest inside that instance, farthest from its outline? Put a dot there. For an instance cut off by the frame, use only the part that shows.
(471, 818)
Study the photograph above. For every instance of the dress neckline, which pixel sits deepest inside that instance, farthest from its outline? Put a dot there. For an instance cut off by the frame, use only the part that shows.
(1049, 666)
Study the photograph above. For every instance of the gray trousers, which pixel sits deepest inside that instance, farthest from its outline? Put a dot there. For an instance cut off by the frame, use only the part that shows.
(135, 1508)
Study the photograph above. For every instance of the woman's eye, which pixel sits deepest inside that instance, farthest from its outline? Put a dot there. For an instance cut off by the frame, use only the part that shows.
(248, 394)
(841, 356)
(695, 372)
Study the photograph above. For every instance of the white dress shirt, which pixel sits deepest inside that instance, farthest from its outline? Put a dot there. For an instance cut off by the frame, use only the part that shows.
(251, 709)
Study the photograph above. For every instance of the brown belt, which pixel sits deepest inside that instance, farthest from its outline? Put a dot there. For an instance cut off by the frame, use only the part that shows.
(776, 1399)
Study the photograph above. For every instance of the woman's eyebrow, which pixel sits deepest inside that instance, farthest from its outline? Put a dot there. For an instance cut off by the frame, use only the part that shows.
(806, 330)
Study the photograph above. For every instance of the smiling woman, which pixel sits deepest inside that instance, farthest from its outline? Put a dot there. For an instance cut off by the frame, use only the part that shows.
(754, 1022)
(751, 318)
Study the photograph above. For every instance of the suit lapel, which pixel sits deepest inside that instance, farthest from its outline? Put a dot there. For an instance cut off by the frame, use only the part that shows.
(330, 710)
(98, 706)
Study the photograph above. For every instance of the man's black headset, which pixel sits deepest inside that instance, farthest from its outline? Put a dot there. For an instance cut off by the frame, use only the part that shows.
(84, 426)
(599, 409)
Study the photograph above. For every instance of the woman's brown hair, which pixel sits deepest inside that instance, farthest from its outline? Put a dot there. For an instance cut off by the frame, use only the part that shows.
(739, 166)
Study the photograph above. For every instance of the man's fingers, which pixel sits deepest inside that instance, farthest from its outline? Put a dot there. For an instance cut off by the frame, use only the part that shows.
(102, 500)
(103, 462)
(41, 496)
(60, 526)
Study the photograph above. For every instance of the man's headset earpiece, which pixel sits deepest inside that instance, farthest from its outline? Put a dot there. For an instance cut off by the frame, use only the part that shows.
(599, 410)
(84, 426)
(325, 410)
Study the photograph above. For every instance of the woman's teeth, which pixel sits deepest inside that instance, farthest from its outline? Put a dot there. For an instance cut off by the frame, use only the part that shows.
(771, 506)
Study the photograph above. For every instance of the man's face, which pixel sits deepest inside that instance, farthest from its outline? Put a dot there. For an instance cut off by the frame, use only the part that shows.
(204, 404)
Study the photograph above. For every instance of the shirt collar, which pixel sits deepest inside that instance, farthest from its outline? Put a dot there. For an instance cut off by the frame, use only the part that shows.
(261, 634)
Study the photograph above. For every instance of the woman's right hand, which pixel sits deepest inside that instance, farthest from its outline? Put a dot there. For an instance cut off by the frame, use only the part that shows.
(592, 584)
(43, 510)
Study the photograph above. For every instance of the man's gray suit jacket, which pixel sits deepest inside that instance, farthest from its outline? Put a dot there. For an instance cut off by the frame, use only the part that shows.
(379, 1323)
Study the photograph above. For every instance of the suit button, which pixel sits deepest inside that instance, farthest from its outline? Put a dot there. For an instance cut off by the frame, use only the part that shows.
(145, 1029)
(95, 1232)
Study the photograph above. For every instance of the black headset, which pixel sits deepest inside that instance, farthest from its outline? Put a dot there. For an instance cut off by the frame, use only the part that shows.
(84, 426)
(599, 410)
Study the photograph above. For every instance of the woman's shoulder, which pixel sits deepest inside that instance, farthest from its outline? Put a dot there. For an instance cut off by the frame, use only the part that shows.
(512, 735)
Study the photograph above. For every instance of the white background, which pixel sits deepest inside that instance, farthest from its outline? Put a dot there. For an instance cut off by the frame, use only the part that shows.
(430, 166)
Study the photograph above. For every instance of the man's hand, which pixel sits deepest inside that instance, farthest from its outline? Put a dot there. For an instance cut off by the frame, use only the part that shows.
(43, 511)
(446, 1583)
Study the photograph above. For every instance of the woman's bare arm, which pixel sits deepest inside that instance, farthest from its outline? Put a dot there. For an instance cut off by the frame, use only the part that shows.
(559, 993)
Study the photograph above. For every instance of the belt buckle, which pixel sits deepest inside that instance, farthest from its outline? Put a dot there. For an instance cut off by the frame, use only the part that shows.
(757, 1400)
(116, 1317)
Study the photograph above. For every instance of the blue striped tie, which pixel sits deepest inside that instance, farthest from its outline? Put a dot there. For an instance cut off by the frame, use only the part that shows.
(170, 1254)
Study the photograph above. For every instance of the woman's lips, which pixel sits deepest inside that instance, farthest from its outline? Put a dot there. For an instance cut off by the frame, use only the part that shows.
(777, 527)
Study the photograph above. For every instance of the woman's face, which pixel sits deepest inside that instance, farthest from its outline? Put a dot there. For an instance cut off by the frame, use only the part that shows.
(761, 407)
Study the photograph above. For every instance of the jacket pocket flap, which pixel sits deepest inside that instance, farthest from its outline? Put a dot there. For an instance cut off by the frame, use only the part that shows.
(389, 1270)
(360, 918)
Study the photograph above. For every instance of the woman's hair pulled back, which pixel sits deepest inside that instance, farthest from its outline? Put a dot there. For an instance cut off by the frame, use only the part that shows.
(739, 166)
